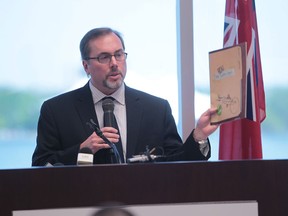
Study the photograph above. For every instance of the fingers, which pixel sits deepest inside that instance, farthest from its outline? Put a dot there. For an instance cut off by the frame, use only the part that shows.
(95, 143)
(210, 111)
(101, 146)
(203, 127)
(109, 130)
(213, 110)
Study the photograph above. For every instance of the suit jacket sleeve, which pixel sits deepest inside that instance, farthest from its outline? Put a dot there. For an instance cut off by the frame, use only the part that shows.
(49, 148)
(62, 127)
(187, 151)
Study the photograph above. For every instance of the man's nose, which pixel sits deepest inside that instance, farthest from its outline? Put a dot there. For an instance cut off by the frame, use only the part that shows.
(113, 60)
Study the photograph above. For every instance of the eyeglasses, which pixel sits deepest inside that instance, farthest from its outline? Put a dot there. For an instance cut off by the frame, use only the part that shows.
(105, 58)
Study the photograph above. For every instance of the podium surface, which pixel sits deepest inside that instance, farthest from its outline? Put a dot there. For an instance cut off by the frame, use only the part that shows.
(265, 181)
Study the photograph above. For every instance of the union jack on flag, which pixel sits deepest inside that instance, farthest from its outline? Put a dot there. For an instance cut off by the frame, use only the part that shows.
(241, 139)
(240, 28)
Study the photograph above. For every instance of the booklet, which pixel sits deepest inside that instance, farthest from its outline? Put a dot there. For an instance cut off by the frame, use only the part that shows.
(228, 83)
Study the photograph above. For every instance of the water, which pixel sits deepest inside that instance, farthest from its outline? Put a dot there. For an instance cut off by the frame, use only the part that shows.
(17, 152)
(273, 146)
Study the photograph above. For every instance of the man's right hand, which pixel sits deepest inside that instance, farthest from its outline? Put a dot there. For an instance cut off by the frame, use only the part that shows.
(95, 143)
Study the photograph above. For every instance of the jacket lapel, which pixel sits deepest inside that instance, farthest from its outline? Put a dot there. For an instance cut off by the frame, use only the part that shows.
(85, 107)
(134, 113)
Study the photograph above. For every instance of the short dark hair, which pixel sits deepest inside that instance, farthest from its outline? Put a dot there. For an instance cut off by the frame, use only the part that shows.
(95, 33)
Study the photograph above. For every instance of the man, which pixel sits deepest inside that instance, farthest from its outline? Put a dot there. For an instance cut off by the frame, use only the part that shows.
(144, 121)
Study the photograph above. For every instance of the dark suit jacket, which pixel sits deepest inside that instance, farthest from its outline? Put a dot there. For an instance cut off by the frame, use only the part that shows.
(62, 127)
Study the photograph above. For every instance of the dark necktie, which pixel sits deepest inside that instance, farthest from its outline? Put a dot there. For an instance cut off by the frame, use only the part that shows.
(110, 121)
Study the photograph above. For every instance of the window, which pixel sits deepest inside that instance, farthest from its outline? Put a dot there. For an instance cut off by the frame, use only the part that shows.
(40, 58)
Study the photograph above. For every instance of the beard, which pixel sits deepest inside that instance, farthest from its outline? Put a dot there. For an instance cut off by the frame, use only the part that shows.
(113, 84)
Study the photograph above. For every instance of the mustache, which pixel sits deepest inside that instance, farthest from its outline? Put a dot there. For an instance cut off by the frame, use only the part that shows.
(113, 72)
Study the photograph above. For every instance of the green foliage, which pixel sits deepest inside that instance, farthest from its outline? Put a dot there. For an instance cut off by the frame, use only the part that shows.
(19, 110)
(276, 114)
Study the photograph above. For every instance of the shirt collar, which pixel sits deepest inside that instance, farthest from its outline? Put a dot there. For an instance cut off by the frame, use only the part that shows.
(117, 95)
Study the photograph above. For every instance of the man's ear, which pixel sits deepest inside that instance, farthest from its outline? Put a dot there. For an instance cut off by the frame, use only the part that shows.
(85, 66)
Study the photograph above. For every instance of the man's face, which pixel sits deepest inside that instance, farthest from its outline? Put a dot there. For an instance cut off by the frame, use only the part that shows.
(106, 77)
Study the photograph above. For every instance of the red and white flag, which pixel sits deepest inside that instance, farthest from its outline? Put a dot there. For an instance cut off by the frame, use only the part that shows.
(241, 139)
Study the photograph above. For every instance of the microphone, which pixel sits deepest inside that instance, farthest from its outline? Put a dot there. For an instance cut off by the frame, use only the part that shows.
(85, 156)
(95, 127)
(147, 156)
(142, 158)
(108, 108)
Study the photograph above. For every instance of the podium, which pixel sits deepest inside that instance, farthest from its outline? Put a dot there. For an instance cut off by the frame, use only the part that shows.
(265, 181)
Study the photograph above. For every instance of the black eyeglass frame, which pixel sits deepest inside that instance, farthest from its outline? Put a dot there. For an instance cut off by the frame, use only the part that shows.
(117, 55)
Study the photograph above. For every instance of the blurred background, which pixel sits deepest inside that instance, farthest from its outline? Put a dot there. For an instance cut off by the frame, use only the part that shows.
(40, 58)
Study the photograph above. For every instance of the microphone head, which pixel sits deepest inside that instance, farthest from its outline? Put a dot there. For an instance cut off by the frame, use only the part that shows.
(108, 105)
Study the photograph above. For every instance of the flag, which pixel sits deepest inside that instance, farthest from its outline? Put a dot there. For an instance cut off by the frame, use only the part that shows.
(241, 139)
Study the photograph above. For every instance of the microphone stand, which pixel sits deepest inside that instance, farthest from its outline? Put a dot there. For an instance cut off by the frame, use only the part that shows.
(94, 126)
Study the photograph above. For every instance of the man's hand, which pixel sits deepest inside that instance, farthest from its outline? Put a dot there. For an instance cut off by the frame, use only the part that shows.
(204, 128)
(95, 143)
